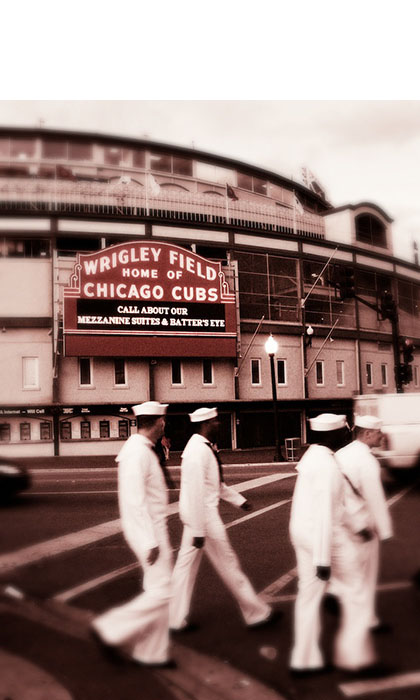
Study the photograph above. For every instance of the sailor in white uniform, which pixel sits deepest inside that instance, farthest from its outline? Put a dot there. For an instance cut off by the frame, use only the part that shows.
(364, 486)
(323, 545)
(202, 486)
(139, 629)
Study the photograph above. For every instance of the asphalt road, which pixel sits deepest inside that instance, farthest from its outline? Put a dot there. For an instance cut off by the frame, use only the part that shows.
(63, 559)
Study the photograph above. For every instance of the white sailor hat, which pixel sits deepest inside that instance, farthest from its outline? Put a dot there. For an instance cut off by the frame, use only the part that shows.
(327, 421)
(202, 414)
(369, 422)
(150, 408)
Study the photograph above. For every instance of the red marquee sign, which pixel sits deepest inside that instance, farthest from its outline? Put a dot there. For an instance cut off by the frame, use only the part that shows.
(146, 299)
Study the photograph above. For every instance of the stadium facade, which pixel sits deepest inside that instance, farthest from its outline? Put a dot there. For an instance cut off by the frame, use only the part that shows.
(134, 270)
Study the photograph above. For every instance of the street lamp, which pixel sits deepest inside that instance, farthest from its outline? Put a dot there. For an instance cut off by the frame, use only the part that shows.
(271, 347)
(309, 331)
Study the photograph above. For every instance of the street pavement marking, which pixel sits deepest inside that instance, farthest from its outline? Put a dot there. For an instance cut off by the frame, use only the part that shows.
(81, 538)
(271, 591)
(75, 592)
(272, 597)
(402, 680)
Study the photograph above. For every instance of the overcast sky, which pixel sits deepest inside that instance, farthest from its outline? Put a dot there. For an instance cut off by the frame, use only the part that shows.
(358, 150)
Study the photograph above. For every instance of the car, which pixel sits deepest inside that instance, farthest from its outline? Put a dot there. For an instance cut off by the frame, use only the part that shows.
(400, 414)
(14, 478)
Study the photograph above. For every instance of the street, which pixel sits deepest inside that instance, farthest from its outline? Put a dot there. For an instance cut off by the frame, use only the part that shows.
(63, 559)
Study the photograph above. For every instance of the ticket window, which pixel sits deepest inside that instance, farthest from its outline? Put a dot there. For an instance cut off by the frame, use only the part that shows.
(85, 430)
(25, 431)
(104, 429)
(123, 429)
(5, 432)
(45, 430)
(65, 430)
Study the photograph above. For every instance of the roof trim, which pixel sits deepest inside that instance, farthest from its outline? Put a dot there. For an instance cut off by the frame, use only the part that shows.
(370, 205)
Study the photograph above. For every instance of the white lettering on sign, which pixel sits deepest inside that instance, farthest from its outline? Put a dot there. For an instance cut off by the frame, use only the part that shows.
(123, 256)
(196, 267)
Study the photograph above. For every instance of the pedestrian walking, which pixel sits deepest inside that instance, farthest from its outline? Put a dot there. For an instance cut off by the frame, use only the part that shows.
(202, 486)
(364, 487)
(139, 629)
(323, 545)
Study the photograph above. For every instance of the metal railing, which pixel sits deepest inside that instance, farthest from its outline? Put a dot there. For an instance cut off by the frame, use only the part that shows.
(130, 199)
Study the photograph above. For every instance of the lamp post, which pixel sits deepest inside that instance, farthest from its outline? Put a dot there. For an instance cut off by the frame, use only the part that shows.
(271, 347)
(309, 331)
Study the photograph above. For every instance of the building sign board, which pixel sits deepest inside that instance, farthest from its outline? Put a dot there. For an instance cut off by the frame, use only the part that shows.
(123, 300)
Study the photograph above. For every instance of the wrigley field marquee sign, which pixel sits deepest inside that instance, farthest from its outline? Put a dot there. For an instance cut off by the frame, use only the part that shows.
(148, 299)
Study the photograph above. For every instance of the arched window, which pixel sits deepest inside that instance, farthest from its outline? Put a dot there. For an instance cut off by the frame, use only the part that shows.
(370, 230)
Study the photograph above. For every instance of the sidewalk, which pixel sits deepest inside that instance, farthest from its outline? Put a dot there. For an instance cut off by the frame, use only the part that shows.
(261, 455)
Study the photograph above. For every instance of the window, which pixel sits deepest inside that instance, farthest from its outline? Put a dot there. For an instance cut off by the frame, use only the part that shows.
(340, 372)
(4, 148)
(27, 248)
(255, 372)
(370, 229)
(54, 149)
(384, 374)
(268, 286)
(112, 155)
(369, 373)
(30, 373)
(161, 162)
(65, 430)
(319, 372)
(165, 163)
(123, 429)
(182, 166)
(45, 430)
(119, 372)
(176, 372)
(281, 372)
(85, 430)
(25, 431)
(4, 432)
(22, 148)
(323, 304)
(207, 372)
(104, 429)
(80, 151)
(139, 159)
(85, 377)
(260, 186)
(253, 184)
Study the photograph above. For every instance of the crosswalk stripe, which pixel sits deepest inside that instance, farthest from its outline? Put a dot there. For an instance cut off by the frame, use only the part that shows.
(74, 540)
(378, 685)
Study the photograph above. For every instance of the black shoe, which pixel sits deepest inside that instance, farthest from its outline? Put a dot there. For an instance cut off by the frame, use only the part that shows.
(331, 604)
(274, 616)
(381, 628)
(111, 652)
(377, 670)
(309, 672)
(169, 664)
(191, 627)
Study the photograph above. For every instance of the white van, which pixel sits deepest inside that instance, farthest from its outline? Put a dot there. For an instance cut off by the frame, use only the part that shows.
(400, 414)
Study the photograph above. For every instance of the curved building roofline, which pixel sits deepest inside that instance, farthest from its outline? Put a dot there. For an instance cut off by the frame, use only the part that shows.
(225, 161)
(359, 205)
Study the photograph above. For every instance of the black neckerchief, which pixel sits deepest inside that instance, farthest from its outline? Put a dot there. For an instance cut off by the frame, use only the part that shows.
(162, 461)
(219, 463)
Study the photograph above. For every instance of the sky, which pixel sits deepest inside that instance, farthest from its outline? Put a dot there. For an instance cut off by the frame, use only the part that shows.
(358, 150)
